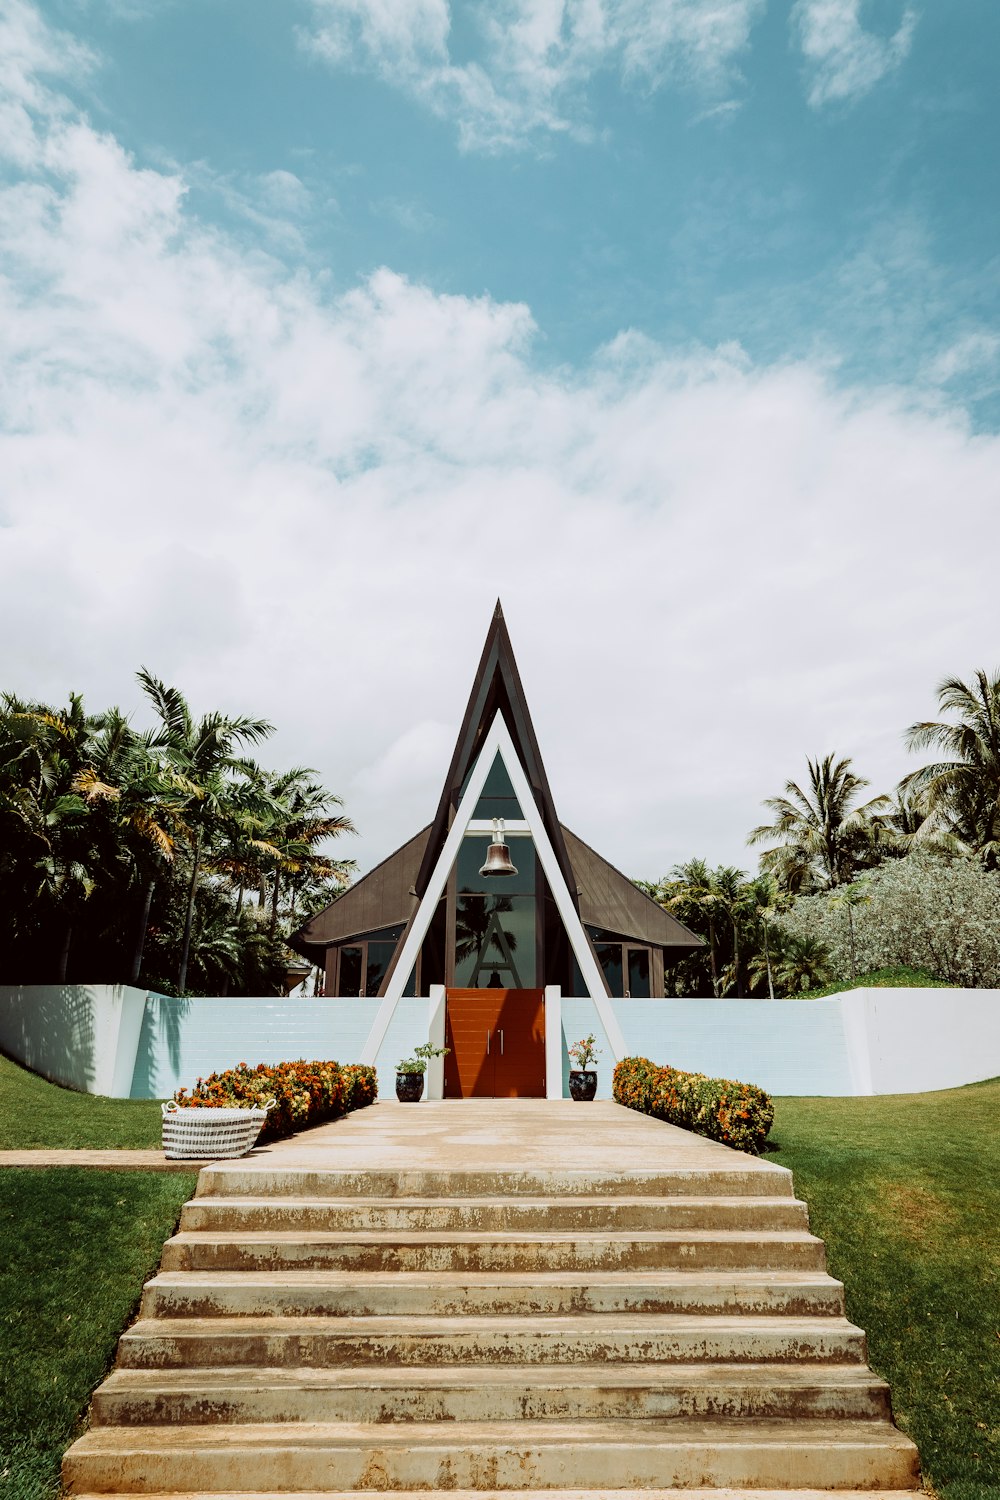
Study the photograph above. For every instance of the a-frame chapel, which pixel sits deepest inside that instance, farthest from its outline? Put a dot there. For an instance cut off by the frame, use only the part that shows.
(435, 913)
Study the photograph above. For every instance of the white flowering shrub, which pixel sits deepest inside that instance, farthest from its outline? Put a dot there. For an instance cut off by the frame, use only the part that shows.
(922, 912)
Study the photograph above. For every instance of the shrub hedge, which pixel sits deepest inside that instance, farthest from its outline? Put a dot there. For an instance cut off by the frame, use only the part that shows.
(307, 1093)
(737, 1114)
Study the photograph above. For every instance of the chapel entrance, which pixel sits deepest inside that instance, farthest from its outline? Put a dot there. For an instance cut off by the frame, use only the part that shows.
(497, 1042)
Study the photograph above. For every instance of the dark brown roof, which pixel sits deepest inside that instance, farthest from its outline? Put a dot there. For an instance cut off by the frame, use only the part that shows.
(608, 899)
(384, 898)
(497, 686)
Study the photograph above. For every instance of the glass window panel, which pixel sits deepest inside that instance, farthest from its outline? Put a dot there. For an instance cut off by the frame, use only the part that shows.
(350, 971)
(379, 959)
(498, 799)
(472, 855)
(495, 936)
(609, 956)
(638, 973)
(410, 987)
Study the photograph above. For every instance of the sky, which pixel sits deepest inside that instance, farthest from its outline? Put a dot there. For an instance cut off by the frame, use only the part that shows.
(675, 324)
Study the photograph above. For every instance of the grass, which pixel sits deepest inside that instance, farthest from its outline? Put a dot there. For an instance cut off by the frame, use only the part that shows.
(75, 1248)
(38, 1115)
(878, 979)
(905, 1190)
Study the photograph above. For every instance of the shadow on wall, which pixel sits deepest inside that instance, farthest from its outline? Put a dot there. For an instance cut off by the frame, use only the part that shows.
(51, 1029)
(162, 1019)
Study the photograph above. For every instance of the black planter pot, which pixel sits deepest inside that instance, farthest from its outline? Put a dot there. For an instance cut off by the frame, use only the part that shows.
(582, 1083)
(409, 1087)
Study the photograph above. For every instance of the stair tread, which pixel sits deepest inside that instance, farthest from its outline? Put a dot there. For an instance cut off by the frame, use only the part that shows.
(540, 1323)
(504, 1200)
(457, 1376)
(787, 1432)
(596, 1494)
(487, 1236)
(670, 1277)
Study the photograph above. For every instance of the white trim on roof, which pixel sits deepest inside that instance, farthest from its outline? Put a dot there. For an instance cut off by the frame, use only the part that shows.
(498, 741)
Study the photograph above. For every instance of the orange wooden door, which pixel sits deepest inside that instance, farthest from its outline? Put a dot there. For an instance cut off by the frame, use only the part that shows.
(497, 1044)
(520, 1056)
(470, 1065)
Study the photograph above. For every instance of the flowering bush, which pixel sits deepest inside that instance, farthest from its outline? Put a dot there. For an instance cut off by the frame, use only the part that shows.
(307, 1093)
(737, 1114)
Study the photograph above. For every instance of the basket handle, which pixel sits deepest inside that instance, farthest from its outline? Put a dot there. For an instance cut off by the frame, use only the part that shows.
(268, 1105)
(170, 1107)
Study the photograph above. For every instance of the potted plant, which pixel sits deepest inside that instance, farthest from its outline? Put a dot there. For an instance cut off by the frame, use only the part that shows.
(583, 1078)
(410, 1072)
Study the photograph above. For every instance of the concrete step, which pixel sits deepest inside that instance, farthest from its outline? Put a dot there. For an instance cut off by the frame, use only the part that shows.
(597, 1494)
(694, 1249)
(243, 1180)
(496, 1213)
(581, 1339)
(506, 1394)
(226, 1294)
(518, 1455)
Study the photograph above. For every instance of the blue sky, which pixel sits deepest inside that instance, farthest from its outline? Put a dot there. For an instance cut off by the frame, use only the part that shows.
(720, 204)
(673, 321)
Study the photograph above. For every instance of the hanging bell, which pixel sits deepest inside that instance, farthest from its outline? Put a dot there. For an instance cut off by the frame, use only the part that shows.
(498, 860)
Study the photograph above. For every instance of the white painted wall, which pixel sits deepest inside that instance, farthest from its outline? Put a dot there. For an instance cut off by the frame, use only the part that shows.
(110, 1039)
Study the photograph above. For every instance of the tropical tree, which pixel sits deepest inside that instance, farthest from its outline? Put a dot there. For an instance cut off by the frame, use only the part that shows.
(803, 963)
(821, 836)
(202, 756)
(50, 850)
(962, 792)
(303, 817)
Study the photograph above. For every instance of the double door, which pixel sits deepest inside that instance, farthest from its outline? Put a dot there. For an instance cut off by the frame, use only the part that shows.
(497, 1044)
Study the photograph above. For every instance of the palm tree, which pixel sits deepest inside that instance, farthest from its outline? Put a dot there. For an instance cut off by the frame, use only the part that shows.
(690, 895)
(803, 963)
(823, 838)
(760, 902)
(203, 760)
(963, 791)
(303, 817)
(44, 752)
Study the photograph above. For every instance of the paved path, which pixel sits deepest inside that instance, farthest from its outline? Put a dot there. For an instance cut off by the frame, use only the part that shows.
(500, 1135)
(107, 1161)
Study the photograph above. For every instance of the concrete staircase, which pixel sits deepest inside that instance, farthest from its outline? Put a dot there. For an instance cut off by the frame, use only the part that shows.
(329, 1331)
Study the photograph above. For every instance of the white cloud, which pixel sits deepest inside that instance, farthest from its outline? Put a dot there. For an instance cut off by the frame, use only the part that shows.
(303, 502)
(975, 353)
(535, 58)
(844, 60)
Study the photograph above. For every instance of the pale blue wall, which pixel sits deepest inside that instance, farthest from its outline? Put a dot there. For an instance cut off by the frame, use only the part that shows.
(182, 1040)
(786, 1047)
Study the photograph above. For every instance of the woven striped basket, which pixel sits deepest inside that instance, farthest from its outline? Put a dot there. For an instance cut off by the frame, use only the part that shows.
(193, 1132)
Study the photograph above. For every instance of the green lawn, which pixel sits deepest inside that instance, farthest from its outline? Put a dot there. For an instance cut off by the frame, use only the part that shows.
(75, 1248)
(37, 1115)
(878, 979)
(905, 1190)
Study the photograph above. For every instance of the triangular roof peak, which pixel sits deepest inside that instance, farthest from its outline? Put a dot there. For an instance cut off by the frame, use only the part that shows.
(497, 688)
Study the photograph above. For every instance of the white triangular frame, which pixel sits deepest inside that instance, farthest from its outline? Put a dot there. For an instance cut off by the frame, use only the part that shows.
(497, 742)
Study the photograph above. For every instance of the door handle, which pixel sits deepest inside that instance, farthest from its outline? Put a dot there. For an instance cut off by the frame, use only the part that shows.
(487, 1041)
(501, 1044)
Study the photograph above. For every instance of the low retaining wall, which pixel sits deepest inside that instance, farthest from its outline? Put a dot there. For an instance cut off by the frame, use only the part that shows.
(128, 1043)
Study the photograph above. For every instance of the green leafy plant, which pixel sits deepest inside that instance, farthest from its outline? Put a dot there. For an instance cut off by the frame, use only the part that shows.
(584, 1052)
(421, 1057)
(737, 1114)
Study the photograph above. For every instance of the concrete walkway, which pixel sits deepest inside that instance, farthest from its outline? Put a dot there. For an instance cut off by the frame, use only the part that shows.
(101, 1161)
(487, 1296)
